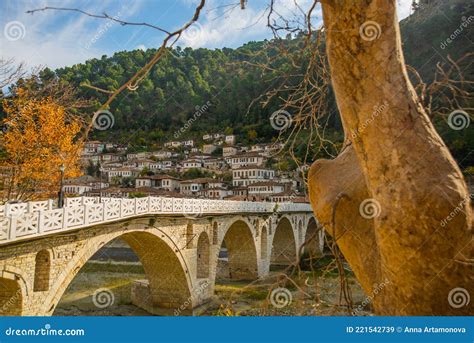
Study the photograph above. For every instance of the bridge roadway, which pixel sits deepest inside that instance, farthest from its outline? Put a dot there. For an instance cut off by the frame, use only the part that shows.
(42, 248)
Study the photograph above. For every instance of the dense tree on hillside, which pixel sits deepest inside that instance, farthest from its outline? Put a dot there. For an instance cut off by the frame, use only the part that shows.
(231, 80)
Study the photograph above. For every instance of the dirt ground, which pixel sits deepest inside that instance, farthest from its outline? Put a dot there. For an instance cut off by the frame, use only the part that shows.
(306, 294)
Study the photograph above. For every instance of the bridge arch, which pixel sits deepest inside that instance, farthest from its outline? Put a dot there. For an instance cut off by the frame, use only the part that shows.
(203, 256)
(168, 275)
(13, 290)
(241, 250)
(284, 243)
(312, 243)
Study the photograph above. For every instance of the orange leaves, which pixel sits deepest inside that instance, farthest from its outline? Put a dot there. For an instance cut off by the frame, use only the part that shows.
(40, 137)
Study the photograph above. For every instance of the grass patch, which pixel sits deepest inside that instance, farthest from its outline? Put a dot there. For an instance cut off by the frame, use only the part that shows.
(93, 267)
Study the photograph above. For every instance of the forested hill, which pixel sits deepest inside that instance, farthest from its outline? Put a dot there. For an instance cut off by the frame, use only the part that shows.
(188, 78)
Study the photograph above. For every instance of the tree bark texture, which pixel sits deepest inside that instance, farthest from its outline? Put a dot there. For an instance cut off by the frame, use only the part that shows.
(413, 249)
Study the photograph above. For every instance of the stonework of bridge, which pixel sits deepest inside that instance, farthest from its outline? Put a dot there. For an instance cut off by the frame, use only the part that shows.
(42, 248)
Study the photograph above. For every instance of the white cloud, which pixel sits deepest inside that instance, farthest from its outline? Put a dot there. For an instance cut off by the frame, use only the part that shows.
(403, 8)
(55, 39)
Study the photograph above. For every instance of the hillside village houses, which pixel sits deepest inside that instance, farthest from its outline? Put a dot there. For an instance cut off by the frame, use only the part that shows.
(247, 175)
(238, 172)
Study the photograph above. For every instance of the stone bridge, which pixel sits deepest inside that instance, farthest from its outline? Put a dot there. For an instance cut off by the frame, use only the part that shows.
(42, 248)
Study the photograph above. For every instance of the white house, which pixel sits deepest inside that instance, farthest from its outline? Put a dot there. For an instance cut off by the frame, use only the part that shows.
(287, 196)
(93, 147)
(192, 163)
(245, 159)
(265, 188)
(121, 173)
(162, 154)
(173, 144)
(213, 163)
(107, 157)
(229, 151)
(82, 184)
(230, 139)
(76, 188)
(216, 192)
(138, 155)
(247, 175)
(167, 165)
(195, 186)
(208, 148)
(165, 182)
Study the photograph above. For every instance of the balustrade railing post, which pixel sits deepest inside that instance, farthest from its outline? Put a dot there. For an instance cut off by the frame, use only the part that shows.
(50, 204)
(40, 221)
(7, 209)
(86, 214)
(102, 204)
(12, 228)
(64, 217)
(29, 207)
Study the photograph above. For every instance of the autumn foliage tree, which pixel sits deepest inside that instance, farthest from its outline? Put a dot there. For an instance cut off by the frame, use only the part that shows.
(39, 136)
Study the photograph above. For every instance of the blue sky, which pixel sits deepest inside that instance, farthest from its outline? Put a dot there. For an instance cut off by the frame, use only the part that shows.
(58, 38)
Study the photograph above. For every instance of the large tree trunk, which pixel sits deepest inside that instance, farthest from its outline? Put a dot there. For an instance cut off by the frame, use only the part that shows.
(417, 249)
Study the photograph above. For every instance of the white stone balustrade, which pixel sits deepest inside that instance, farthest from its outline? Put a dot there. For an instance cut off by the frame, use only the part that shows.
(37, 218)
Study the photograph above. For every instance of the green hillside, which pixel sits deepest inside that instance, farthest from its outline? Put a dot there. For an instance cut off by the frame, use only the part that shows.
(185, 79)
